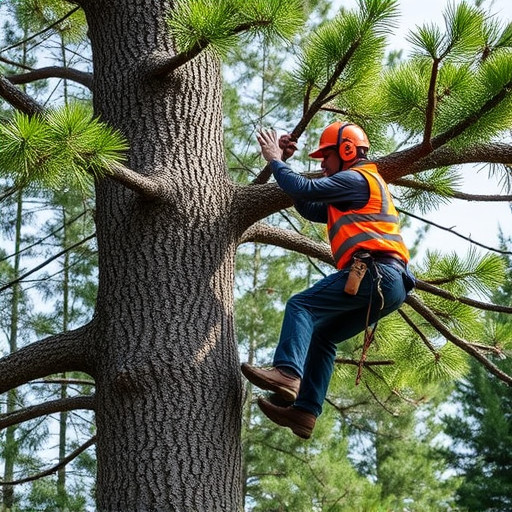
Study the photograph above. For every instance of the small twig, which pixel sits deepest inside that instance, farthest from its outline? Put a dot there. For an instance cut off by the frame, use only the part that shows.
(393, 413)
(46, 262)
(71, 221)
(417, 330)
(450, 230)
(49, 27)
(341, 360)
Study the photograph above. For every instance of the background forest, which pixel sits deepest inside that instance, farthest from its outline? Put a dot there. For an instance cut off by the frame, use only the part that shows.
(422, 434)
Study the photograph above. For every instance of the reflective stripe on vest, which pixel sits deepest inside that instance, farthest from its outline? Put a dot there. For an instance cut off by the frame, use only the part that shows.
(374, 227)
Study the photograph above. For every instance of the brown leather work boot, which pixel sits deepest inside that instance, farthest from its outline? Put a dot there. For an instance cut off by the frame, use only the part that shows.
(273, 379)
(301, 422)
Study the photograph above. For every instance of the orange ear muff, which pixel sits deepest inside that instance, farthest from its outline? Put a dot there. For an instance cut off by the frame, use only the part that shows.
(346, 148)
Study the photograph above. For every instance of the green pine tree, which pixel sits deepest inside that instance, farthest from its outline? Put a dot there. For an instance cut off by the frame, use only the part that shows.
(480, 427)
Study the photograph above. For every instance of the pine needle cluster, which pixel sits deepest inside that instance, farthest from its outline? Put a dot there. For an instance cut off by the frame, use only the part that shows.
(62, 149)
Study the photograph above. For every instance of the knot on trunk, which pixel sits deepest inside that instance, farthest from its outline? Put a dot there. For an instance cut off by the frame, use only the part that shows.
(125, 380)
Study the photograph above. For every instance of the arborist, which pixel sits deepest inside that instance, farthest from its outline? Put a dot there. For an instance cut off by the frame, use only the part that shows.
(372, 278)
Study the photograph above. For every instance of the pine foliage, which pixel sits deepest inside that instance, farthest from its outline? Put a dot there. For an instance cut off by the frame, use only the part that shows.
(62, 149)
(215, 25)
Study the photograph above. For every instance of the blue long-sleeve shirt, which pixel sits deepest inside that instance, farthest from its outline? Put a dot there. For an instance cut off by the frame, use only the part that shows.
(345, 190)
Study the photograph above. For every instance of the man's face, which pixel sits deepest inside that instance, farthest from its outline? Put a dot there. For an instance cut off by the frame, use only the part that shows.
(331, 161)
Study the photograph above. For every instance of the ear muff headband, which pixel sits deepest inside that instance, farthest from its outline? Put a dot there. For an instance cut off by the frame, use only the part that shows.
(346, 148)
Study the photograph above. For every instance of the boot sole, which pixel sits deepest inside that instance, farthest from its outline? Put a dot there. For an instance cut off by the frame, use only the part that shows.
(298, 430)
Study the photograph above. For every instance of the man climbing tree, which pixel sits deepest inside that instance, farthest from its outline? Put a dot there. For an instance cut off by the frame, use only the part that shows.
(372, 279)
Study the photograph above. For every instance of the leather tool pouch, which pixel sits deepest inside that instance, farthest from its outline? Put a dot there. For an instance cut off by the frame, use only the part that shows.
(355, 276)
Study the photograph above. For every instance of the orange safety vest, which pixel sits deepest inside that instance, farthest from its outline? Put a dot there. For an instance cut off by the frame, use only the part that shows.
(374, 227)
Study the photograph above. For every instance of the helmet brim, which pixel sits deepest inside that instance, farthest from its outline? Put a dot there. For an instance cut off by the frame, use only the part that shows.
(319, 152)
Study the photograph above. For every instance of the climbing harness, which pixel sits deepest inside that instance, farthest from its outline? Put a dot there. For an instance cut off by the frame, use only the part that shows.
(357, 271)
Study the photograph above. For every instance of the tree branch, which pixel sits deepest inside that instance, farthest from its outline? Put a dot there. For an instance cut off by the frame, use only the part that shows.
(309, 111)
(354, 362)
(66, 382)
(61, 353)
(46, 262)
(150, 188)
(41, 32)
(255, 202)
(399, 164)
(418, 331)
(8, 192)
(434, 290)
(44, 409)
(417, 185)
(431, 104)
(160, 65)
(430, 317)
(450, 230)
(81, 77)
(14, 64)
(64, 462)
(17, 98)
(53, 233)
(323, 95)
(288, 239)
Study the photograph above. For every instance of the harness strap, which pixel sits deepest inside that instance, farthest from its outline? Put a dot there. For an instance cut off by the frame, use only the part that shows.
(369, 332)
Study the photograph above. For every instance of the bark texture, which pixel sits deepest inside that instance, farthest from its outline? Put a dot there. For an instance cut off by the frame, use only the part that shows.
(167, 372)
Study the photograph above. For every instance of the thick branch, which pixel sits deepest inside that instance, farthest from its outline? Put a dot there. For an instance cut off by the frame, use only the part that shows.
(17, 98)
(255, 202)
(288, 239)
(36, 411)
(57, 354)
(428, 315)
(427, 287)
(75, 75)
(64, 462)
(400, 164)
(150, 188)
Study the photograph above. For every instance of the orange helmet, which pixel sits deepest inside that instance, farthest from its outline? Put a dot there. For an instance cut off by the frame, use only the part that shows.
(346, 137)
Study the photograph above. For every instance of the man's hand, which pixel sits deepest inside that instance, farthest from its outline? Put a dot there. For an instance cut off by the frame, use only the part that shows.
(274, 149)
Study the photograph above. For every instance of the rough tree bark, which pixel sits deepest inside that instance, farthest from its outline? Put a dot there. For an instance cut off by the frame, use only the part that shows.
(166, 363)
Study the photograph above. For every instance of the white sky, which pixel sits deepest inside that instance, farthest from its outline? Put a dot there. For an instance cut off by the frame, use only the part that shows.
(480, 221)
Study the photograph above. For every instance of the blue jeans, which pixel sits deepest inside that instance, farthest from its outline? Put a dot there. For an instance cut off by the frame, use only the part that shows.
(317, 319)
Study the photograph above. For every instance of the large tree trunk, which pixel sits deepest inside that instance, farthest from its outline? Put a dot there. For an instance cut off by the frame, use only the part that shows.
(167, 373)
